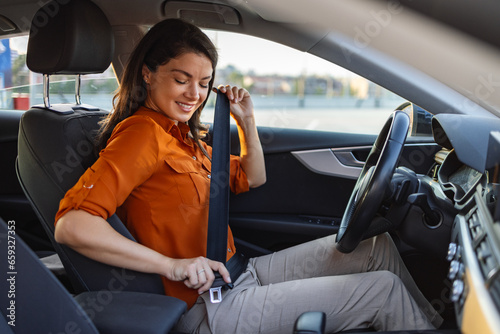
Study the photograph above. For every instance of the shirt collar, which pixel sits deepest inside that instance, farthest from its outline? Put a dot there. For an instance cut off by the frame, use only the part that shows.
(166, 123)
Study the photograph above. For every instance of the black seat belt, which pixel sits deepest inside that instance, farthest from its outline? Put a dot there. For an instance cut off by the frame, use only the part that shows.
(218, 214)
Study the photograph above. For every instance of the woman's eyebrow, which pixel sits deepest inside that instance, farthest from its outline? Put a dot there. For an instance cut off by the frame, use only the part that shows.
(189, 75)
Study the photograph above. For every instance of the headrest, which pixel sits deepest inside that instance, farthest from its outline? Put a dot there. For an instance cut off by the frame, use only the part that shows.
(70, 37)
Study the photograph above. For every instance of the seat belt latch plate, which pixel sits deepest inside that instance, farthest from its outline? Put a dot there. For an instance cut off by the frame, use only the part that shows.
(216, 295)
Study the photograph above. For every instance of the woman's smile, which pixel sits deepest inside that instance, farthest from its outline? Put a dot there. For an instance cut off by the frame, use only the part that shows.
(186, 107)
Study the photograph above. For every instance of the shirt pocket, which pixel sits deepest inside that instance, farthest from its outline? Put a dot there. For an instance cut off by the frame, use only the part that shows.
(192, 182)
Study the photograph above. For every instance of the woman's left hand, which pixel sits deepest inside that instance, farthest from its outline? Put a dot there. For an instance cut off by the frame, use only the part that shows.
(241, 104)
(251, 155)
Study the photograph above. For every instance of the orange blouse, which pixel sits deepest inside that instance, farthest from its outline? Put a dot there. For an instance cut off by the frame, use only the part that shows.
(158, 181)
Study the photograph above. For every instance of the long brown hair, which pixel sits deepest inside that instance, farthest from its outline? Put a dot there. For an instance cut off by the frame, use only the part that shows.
(166, 40)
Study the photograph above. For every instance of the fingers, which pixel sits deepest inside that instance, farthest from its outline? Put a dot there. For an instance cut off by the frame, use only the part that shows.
(217, 266)
(233, 93)
(198, 274)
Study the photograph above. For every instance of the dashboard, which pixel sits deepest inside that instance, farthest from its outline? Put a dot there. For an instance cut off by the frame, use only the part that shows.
(468, 177)
(474, 255)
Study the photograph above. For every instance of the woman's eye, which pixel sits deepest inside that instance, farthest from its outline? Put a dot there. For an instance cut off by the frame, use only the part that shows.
(202, 85)
(181, 82)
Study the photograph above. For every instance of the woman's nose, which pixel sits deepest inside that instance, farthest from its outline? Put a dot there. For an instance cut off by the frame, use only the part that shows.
(192, 91)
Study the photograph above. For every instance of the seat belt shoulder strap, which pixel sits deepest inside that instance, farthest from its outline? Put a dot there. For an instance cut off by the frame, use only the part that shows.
(218, 214)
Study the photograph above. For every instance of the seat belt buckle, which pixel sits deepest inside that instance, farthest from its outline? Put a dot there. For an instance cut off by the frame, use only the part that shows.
(217, 286)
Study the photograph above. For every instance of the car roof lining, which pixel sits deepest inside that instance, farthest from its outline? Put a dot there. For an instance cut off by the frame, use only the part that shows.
(308, 38)
(457, 14)
(213, 16)
(478, 18)
(369, 63)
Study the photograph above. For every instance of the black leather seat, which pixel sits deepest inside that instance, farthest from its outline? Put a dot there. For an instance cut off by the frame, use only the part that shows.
(34, 301)
(55, 143)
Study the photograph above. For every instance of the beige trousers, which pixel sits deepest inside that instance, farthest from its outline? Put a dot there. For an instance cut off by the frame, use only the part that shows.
(369, 287)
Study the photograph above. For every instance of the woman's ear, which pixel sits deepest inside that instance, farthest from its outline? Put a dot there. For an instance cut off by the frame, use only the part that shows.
(146, 72)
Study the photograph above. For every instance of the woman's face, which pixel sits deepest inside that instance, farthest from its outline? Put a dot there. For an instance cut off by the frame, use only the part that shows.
(177, 88)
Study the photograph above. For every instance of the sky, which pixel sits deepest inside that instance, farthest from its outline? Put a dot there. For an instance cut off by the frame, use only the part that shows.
(265, 57)
(19, 44)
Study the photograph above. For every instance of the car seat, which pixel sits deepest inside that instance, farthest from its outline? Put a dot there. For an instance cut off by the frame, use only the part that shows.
(34, 301)
(55, 144)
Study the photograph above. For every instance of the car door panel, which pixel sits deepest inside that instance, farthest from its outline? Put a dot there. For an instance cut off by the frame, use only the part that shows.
(303, 198)
(334, 162)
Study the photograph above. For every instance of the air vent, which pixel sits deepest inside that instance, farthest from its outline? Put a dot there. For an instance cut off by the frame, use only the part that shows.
(475, 227)
(483, 241)
(486, 258)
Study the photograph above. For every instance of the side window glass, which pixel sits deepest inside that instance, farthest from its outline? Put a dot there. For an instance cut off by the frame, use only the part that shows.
(293, 89)
(20, 88)
(290, 89)
(7, 62)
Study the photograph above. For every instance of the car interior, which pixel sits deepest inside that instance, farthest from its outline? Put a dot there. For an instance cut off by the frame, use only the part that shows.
(432, 170)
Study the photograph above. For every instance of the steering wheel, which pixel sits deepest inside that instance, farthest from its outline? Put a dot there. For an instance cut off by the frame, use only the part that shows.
(373, 182)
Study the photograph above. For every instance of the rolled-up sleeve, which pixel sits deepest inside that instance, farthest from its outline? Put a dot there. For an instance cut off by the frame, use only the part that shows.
(237, 176)
(128, 160)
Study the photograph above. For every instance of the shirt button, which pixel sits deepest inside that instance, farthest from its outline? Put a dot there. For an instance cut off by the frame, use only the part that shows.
(229, 250)
(194, 157)
(209, 176)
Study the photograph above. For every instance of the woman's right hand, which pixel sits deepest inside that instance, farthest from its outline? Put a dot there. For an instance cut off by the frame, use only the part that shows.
(197, 273)
(78, 228)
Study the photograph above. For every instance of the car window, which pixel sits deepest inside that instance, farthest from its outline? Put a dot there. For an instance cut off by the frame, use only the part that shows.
(293, 89)
(290, 89)
(20, 88)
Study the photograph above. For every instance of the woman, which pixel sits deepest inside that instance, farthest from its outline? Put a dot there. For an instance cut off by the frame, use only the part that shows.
(154, 171)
